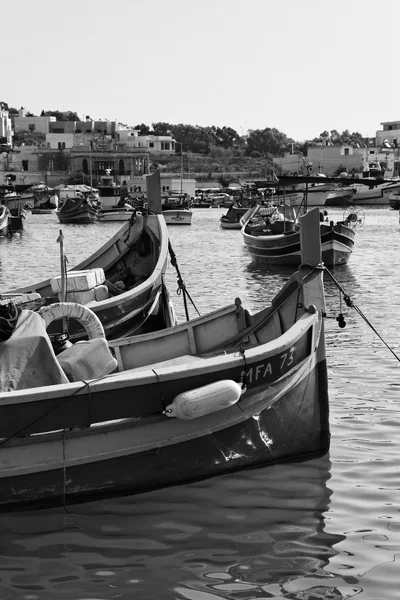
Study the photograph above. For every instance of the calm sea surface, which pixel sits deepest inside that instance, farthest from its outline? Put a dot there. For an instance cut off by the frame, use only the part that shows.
(328, 528)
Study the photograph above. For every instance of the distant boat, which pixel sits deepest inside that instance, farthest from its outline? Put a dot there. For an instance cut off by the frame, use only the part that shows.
(271, 234)
(114, 204)
(78, 210)
(232, 218)
(4, 220)
(175, 209)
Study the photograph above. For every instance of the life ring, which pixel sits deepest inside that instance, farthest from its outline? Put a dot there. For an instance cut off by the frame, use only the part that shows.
(86, 317)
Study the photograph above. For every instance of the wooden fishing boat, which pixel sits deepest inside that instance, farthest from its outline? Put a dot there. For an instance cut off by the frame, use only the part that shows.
(219, 393)
(176, 209)
(123, 281)
(4, 220)
(78, 210)
(271, 234)
(17, 209)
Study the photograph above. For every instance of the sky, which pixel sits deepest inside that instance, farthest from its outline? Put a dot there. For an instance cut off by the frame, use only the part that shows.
(301, 66)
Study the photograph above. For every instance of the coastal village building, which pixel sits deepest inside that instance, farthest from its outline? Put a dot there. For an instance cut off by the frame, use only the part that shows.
(6, 130)
(31, 123)
(332, 159)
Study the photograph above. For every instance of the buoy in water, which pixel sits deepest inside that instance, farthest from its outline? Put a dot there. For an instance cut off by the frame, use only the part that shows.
(204, 400)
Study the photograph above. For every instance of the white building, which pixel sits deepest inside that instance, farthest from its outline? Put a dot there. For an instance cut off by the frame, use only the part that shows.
(39, 124)
(6, 130)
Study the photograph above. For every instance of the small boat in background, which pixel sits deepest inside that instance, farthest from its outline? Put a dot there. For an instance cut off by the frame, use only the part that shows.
(176, 209)
(394, 200)
(271, 234)
(79, 209)
(18, 211)
(232, 218)
(4, 220)
(114, 202)
(222, 392)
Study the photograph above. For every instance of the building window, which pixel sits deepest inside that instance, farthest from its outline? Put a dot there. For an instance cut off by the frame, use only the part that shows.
(151, 144)
(85, 168)
(121, 167)
(78, 130)
(103, 165)
(346, 151)
(61, 145)
(165, 145)
(25, 165)
(51, 165)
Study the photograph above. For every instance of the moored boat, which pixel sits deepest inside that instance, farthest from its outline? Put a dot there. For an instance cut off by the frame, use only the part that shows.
(176, 209)
(222, 392)
(79, 209)
(232, 218)
(4, 220)
(115, 205)
(271, 234)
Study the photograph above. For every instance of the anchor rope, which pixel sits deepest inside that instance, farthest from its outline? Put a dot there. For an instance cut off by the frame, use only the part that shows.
(349, 302)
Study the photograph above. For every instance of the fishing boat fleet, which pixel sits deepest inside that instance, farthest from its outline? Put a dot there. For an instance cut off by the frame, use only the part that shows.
(103, 392)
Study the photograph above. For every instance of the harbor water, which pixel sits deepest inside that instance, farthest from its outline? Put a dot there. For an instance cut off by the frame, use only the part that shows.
(326, 528)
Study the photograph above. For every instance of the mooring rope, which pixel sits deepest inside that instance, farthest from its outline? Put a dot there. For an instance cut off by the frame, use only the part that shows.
(181, 284)
(351, 304)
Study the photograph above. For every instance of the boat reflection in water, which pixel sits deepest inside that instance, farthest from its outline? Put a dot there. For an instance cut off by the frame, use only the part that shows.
(260, 532)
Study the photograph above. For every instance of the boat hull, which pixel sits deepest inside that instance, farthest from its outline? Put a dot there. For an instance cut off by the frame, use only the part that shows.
(177, 217)
(377, 196)
(84, 465)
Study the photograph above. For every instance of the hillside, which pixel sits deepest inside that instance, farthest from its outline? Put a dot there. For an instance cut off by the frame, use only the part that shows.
(211, 168)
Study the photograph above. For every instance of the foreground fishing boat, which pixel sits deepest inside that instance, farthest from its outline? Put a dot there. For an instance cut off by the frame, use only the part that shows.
(123, 281)
(271, 234)
(224, 391)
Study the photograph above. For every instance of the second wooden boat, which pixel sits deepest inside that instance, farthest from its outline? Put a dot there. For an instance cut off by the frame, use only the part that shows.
(123, 281)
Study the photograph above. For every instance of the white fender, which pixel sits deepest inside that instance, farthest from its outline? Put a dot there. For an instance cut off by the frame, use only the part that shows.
(205, 400)
(86, 317)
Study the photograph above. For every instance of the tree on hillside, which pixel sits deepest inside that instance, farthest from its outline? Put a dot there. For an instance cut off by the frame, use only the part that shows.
(226, 136)
(67, 115)
(340, 138)
(266, 141)
(143, 129)
(162, 128)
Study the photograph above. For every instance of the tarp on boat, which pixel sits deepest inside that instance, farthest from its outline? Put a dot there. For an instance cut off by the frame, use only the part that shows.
(27, 358)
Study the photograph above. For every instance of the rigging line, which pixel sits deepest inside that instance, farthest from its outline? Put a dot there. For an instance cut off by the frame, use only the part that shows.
(351, 304)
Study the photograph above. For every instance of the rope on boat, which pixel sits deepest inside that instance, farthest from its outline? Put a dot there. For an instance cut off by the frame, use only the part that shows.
(181, 284)
(351, 304)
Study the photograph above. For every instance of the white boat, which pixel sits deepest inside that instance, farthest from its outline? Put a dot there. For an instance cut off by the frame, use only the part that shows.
(375, 194)
(182, 216)
(114, 206)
